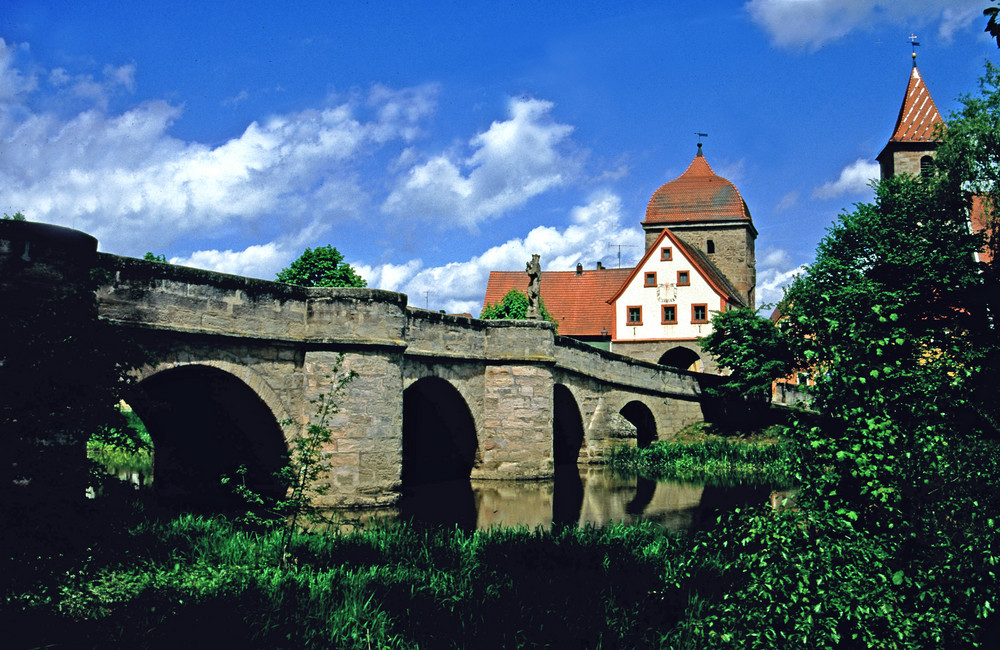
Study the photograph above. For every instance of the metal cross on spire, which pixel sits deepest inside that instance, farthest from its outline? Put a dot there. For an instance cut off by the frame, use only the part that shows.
(913, 45)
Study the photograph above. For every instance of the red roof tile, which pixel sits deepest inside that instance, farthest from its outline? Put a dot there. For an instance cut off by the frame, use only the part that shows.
(699, 194)
(918, 115)
(577, 302)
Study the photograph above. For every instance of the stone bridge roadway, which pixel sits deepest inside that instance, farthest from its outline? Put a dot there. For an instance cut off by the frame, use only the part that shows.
(239, 363)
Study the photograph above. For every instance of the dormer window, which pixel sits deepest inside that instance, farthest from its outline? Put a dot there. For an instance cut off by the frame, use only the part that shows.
(650, 280)
(666, 254)
(683, 278)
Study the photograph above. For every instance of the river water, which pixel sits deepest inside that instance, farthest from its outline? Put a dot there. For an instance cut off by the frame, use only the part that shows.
(582, 495)
(576, 495)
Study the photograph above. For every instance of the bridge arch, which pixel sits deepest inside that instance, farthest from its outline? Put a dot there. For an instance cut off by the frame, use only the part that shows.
(567, 427)
(642, 418)
(439, 434)
(245, 374)
(206, 422)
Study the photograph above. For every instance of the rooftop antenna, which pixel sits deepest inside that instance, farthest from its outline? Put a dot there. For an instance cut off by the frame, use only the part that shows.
(620, 251)
(913, 45)
(427, 299)
(700, 136)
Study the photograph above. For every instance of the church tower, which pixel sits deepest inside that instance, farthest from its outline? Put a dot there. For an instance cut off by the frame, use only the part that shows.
(911, 148)
(709, 214)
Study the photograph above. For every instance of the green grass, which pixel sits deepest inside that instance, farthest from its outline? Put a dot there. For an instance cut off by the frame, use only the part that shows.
(192, 580)
(709, 459)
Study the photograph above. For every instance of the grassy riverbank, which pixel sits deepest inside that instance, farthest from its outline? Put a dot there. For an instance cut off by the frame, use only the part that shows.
(704, 455)
(196, 581)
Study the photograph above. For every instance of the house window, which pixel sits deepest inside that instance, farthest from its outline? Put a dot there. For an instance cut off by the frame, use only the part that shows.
(666, 254)
(683, 278)
(634, 316)
(699, 313)
(710, 246)
(650, 279)
(669, 315)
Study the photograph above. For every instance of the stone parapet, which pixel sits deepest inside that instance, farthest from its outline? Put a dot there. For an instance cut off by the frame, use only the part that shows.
(171, 297)
(623, 371)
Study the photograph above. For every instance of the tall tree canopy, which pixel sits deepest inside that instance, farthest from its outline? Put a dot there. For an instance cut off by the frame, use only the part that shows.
(899, 481)
(321, 267)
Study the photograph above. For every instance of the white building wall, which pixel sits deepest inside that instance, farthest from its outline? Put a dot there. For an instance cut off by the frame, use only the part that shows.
(665, 292)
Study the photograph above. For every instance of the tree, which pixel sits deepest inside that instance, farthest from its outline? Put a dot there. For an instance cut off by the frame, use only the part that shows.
(899, 475)
(992, 26)
(321, 267)
(17, 216)
(150, 257)
(754, 351)
(514, 306)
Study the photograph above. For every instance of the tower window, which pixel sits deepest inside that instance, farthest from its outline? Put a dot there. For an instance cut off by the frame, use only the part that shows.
(710, 246)
(926, 166)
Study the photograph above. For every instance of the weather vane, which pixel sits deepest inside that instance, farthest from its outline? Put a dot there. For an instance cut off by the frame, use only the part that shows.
(913, 45)
(700, 136)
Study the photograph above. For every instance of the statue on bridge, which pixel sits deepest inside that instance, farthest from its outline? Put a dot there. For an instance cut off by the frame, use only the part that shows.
(534, 271)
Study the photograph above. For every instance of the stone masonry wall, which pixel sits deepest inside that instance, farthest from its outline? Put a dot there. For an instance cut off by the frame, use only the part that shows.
(283, 342)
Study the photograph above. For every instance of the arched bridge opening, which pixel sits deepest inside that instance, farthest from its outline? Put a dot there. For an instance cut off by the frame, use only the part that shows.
(567, 439)
(205, 424)
(639, 416)
(439, 434)
(567, 427)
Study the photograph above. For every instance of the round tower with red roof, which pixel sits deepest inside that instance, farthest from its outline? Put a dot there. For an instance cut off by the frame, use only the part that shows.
(709, 214)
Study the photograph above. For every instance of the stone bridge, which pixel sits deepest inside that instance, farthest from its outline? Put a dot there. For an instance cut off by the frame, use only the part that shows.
(240, 363)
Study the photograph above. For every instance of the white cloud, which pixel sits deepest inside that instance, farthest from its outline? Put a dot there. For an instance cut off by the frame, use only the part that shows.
(787, 202)
(511, 162)
(13, 81)
(775, 271)
(126, 180)
(854, 179)
(813, 23)
(593, 234)
(258, 261)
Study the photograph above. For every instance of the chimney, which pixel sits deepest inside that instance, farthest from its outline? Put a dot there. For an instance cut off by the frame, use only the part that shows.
(579, 269)
(600, 267)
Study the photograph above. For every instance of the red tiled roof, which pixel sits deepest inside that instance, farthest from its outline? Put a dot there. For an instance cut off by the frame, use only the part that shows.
(918, 115)
(577, 302)
(699, 194)
(699, 261)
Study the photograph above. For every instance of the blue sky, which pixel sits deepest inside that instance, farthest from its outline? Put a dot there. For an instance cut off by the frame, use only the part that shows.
(433, 142)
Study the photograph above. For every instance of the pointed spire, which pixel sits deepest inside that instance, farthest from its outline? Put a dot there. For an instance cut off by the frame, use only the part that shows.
(918, 115)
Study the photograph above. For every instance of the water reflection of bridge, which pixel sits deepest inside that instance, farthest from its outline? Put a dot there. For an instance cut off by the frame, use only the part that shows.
(578, 496)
